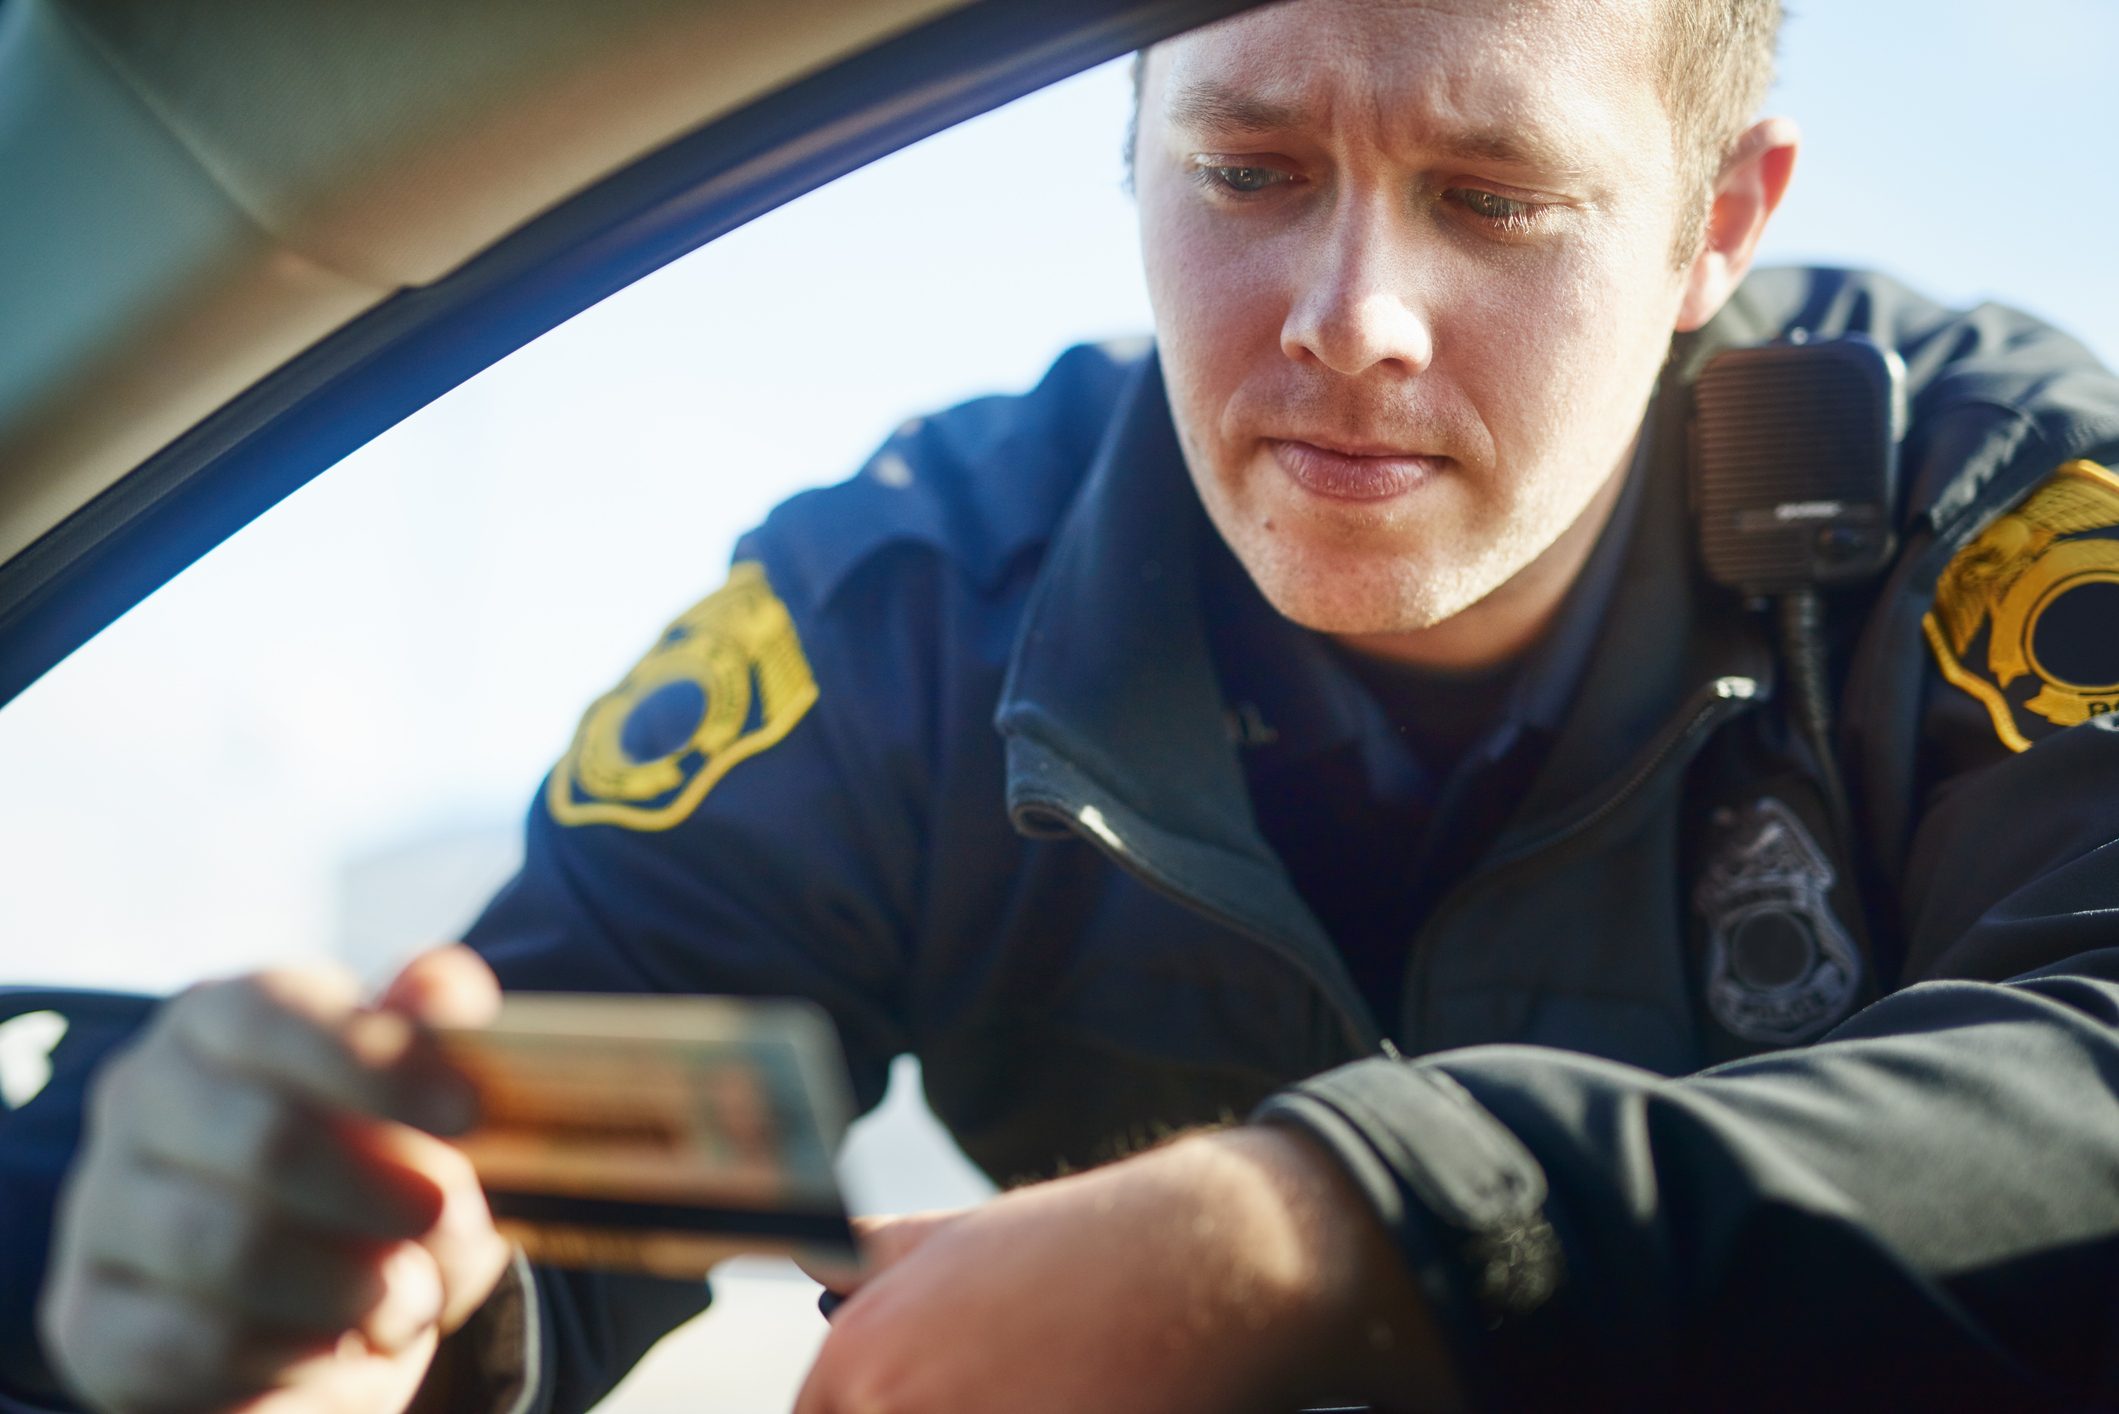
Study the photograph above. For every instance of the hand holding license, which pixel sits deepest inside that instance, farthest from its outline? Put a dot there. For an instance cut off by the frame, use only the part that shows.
(658, 1134)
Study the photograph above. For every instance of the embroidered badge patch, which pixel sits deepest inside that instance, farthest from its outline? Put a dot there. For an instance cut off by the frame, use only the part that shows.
(726, 681)
(1780, 967)
(2026, 617)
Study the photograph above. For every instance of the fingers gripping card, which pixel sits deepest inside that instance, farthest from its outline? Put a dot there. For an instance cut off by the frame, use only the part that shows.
(658, 1134)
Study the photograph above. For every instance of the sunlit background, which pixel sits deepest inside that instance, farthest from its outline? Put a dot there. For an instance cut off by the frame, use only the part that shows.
(318, 742)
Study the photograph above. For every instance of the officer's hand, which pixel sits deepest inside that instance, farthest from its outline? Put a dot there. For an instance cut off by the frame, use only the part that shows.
(256, 1218)
(1230, 1271)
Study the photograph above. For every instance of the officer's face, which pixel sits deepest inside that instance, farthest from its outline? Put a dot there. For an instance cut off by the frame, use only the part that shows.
(1412, 269)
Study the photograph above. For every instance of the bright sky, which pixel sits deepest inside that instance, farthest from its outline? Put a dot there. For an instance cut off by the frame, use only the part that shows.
(396, 654)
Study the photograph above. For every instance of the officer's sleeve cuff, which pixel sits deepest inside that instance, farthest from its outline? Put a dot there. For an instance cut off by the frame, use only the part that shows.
(1463, 1197)
(491, 1364)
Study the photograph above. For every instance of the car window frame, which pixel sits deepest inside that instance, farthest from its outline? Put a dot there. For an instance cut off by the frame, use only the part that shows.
(381, 367)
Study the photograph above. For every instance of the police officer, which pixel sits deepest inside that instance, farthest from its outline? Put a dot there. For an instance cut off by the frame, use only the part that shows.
(1206, 732)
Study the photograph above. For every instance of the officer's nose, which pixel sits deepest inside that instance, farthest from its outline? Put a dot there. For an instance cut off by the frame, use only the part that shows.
(1357, 303)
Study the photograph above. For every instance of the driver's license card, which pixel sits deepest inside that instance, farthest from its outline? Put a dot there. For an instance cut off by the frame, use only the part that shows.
(658, 1134)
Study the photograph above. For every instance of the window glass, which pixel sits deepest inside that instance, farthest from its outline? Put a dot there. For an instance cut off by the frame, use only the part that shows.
(340, 714)
(319, 741)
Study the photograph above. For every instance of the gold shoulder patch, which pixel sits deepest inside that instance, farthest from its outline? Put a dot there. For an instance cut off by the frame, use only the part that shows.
(724, 682)
(2035, 601)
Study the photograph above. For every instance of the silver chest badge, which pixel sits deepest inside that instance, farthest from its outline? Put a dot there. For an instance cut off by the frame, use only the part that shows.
(1780, 968)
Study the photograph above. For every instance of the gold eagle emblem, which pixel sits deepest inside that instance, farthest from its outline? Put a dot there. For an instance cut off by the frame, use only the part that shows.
(723, 683)
(2034, 596)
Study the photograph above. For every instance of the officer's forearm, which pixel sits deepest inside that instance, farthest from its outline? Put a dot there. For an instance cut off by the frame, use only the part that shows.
(1919, 1210)
(1378, 1344)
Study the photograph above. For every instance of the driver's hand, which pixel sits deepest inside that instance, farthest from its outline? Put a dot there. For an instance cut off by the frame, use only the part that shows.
(261, 1216)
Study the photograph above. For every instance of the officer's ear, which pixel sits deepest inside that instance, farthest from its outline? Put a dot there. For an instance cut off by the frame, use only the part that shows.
(1751, 185)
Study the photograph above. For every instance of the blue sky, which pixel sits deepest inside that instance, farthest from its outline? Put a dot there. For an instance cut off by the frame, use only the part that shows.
(395, 654)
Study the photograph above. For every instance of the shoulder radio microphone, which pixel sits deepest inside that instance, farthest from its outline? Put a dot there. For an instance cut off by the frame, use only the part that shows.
(1794, 481)
(1795, 463)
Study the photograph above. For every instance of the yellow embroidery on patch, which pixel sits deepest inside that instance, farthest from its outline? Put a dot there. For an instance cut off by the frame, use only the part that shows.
(735, 662)
(2000, 587)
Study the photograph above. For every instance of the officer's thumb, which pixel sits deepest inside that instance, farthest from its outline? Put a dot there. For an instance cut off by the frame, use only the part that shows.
(885, 1241)
(447, 986)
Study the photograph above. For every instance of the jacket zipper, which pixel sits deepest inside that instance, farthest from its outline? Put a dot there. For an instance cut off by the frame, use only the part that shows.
(1710, 707)
(1360, 1032)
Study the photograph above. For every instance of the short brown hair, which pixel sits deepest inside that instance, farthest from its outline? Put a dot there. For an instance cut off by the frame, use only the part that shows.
(1713, 67)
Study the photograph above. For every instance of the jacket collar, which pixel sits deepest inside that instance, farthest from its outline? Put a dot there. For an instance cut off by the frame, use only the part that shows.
(1112, 671)
(1666, 632)
(1112, 714)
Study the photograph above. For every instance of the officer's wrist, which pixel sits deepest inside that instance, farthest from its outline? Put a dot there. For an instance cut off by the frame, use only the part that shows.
(1370, 1337)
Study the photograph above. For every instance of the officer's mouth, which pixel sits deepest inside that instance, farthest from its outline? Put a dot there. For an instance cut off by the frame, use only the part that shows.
(1353, 473)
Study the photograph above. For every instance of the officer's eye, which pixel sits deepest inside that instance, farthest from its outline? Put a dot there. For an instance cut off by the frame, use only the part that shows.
(1506, 212)
(1238, 180)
